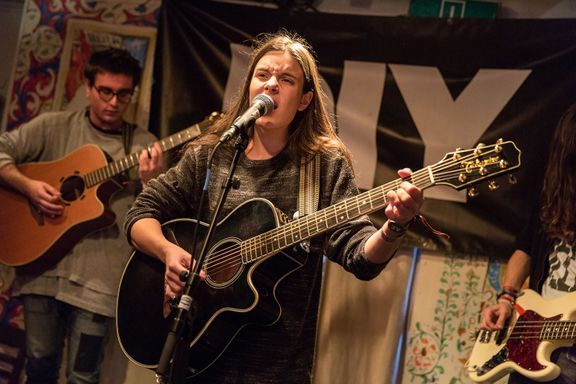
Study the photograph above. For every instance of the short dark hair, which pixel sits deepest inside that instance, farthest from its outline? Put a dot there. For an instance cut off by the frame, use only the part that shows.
(113, 60)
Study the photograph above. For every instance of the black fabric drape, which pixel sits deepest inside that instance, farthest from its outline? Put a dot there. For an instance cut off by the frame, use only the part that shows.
(194, 58)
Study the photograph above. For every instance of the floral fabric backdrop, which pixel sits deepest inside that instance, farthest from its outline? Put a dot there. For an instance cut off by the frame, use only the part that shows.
(448, 299)
(366, 336)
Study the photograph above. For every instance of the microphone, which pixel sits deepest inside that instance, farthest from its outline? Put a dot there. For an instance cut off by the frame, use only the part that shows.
(262, 105)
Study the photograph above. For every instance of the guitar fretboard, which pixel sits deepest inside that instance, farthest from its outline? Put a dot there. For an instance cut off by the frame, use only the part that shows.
(558, 330)
(321, 221)
(115, 168)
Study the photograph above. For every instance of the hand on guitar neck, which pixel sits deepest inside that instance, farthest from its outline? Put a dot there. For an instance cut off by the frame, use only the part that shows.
(151, 163)
(58, 202)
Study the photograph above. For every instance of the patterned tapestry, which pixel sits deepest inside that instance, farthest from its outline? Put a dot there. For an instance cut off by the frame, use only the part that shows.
(366, 336)
(42, 41)
(449, 296)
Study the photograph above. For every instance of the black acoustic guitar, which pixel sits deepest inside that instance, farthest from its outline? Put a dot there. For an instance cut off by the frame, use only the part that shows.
(249, 255)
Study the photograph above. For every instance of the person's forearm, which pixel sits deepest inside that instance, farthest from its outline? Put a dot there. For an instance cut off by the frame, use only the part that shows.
(517, 270)
(12, 177)
(146, 236)
(382, 245)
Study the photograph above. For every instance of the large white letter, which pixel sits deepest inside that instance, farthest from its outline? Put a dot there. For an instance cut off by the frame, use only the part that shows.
(444, 123)
(358, 111)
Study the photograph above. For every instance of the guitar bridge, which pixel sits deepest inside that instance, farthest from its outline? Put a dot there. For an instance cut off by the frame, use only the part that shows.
(494, 361)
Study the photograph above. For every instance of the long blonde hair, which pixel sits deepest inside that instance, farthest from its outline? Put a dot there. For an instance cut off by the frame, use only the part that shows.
(312, 130)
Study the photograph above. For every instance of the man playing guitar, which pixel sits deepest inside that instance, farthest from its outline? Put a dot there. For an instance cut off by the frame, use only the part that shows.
(76, 296)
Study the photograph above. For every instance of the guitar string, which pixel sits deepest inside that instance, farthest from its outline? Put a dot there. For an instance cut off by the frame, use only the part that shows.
(109, 170)
(220, 260)
(540, 329)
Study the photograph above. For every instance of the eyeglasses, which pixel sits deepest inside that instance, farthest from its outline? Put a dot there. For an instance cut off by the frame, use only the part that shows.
(106, 94)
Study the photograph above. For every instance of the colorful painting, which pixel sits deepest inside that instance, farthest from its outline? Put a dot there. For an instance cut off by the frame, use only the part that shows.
(42, 43)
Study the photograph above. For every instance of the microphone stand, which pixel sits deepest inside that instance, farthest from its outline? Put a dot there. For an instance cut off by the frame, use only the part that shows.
(185, 304)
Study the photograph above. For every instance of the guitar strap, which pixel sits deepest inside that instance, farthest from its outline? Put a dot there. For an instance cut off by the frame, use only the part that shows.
(127, 134)
(308, 200)
(309, 194)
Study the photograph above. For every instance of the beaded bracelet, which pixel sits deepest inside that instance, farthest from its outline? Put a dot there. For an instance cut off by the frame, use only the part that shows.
(506, 300)
(508, 292)
(508, 295)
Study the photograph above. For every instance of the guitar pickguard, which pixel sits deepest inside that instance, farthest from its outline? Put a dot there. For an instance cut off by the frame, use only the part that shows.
(523, 342)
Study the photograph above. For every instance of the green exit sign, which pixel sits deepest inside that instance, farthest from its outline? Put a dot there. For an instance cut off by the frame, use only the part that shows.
(454, 9)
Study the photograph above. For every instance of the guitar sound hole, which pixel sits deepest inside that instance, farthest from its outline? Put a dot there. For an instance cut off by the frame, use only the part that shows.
(224, 264)
(72, 188)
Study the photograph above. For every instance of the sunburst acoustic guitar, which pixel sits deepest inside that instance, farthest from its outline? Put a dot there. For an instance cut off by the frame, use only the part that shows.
(86, 181)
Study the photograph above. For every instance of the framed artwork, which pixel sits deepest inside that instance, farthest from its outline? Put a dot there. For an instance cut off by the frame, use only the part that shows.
(86, 36)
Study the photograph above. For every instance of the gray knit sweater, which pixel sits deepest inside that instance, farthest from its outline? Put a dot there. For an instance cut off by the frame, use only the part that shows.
(88, 276)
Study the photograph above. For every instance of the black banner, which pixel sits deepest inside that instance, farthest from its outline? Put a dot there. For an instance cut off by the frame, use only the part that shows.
(406, 89)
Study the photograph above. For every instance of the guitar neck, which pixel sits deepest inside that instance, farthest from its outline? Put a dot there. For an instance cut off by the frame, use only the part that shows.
(557, 330)
(116, 167)
(458, 170)
(325, 219)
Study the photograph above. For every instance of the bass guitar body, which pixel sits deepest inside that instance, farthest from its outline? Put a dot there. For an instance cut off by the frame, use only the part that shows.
(525, 345)
(236, 293)
(26, 234)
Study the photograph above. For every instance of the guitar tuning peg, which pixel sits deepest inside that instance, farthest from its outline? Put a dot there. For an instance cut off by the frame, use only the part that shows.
(492, 185)
(478, 150)
(503, 164)
(456, 155)
(473, 192)
(483, 171)
(499, 141)
(512, 179)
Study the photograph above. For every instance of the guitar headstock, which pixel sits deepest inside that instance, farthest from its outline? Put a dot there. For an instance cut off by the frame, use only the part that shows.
(466, 167)
(211, 119)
